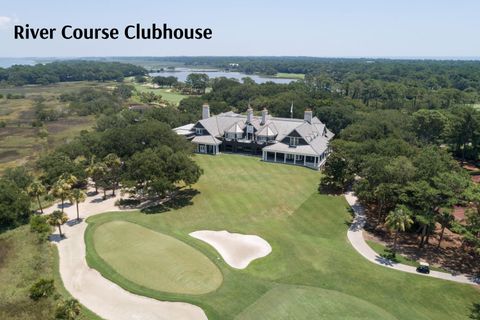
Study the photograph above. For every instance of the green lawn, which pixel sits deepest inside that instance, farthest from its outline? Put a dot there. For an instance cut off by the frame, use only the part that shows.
(312, 270)
(155, 260)
(169, 95)
(290, 75)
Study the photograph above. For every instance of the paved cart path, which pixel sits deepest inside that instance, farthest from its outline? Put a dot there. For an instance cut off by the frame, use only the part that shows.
(355, 236)
(98, 294)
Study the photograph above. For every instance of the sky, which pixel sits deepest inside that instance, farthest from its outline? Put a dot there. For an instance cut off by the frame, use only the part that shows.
(335, 28)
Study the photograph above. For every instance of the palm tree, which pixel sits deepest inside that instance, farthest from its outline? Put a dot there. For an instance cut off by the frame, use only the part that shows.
(61, 189)
(445, 218)
(56, 219)
(113, 164)
(69, 178)
(398, 220)
(37, 189)
(77, 196)
(96, 171)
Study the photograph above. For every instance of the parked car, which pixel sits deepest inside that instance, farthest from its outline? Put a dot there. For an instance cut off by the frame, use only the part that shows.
(423, 268)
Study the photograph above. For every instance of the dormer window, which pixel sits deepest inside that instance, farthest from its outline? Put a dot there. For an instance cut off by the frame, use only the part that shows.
(199, 131)
(293, 141)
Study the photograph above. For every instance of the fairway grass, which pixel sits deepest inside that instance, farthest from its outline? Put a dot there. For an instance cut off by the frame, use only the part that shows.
(284, 75)
(154, 260)
(294, 302)
(312, 267)
(169, 95)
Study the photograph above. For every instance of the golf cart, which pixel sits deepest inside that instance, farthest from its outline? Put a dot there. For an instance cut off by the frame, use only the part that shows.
(423, 268)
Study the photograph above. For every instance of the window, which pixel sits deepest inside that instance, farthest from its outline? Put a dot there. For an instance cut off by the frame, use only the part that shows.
(293, 141)
(230, 135)
(199, 131)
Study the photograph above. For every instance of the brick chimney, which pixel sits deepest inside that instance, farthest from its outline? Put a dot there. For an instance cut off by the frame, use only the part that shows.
(205, 111)
(264, 115)
(308, 115)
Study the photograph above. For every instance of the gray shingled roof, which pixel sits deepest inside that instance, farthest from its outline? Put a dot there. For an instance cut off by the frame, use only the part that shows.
(315, 133)
(268, 130)
(206, 140)
(236, 127)
(285, 148)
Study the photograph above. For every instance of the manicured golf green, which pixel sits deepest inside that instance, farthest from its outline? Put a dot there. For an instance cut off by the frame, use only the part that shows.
(155, 260)
(312, 267)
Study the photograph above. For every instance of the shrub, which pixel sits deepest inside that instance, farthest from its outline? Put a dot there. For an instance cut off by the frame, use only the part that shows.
(3, 124)
(15, 96)
(67, 309)
(140, 79)
(127, 202)
(37, 123)
(42, 133)
(41, 289)
(40, 225)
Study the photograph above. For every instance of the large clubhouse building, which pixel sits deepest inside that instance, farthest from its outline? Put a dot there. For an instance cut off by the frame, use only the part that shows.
(301, 142)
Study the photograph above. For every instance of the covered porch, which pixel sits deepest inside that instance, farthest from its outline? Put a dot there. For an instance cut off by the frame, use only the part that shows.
(206, 145)
(305, 160)
(207, 149)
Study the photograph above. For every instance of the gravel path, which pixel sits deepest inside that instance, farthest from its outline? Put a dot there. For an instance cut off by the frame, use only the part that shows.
(98, 294)
(355, 236)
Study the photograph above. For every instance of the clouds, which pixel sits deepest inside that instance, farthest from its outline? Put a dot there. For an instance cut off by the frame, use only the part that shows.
(6, 21)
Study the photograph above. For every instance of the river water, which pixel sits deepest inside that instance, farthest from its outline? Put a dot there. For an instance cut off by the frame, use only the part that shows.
(182, 74)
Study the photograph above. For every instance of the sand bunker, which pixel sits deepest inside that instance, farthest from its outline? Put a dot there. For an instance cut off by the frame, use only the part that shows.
(238, 250)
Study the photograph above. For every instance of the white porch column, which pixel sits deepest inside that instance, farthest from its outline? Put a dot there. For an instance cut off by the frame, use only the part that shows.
(304, 160)
(294, 159)
(275, 157)
(284, 158)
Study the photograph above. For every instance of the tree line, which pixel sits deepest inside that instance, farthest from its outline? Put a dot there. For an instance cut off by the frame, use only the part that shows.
(61, 71)
(403, 170)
